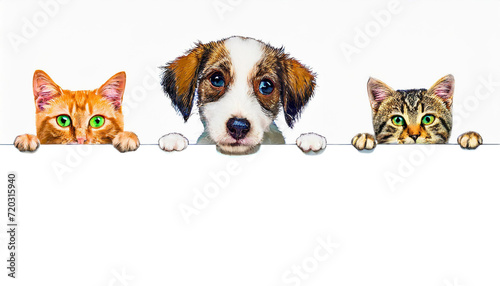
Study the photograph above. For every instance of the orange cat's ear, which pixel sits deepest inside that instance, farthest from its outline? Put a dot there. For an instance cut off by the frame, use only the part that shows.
(377, 92)
(444, 89)
(44, 89)
(113, 89)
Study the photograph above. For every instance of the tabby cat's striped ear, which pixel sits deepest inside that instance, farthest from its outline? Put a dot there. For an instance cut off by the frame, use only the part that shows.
(377, 92)
(444, 89)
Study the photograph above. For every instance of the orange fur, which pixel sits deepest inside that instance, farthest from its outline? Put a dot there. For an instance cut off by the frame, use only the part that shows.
(185, 69)
(80, 106)
(299, 87)
(412, 130)
(301, 79)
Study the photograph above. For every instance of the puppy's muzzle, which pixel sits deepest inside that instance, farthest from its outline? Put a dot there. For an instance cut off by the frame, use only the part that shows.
(238, 128)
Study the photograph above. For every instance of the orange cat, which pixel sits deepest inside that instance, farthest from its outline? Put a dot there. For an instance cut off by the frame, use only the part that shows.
(78, 117)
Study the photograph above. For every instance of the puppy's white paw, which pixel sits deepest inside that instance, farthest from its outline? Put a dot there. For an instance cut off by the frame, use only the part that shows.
(173, 142)
(311, 142)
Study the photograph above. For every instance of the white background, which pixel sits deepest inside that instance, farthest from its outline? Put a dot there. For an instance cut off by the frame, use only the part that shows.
(402, 215)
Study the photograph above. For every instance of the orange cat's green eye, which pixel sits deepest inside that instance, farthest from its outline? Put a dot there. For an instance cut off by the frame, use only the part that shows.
(398, 120)
(428, 119)
(96, 121)
(63, 120)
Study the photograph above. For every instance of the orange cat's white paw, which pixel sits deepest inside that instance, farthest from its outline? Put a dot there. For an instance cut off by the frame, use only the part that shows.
(311, 142)
(27, 143)
(126, 141)
(470, 140)
(363, 141)
(173, 142)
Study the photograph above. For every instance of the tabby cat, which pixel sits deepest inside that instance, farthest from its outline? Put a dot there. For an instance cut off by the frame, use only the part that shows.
(412, 116)
(78, 117)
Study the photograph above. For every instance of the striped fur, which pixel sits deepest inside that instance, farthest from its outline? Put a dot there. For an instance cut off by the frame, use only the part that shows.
(412, 105)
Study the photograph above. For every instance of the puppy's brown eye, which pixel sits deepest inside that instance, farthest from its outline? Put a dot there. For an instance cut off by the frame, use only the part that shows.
(217, 79)
(266, 87)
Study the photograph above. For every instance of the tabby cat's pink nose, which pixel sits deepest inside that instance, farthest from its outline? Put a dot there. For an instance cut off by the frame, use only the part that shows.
(81, 140)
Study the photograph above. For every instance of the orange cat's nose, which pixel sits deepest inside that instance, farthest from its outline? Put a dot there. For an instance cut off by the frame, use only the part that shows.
(81, 136)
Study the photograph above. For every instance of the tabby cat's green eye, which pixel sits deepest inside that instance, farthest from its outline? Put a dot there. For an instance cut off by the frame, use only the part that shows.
(398, 120)
(428, 119)
(63, 120)
(96, 121)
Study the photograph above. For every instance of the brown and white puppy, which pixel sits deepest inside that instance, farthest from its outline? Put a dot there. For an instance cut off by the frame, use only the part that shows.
(240, 85)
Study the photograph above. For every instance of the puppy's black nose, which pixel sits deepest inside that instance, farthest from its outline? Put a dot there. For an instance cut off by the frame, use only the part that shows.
(414, 137)
(238, 127)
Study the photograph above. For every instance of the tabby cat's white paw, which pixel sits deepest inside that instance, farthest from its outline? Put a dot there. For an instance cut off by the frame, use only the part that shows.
(126, 141)
(27, 143)
(363, 141)
(470, 140)
(311, 142)
(173, 142)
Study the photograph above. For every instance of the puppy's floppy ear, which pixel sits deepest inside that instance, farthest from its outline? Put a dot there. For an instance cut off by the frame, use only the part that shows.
(180, 77)
(113, 89)
(377, 92)
(44, 89)
(444, 89)
(298, 87)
